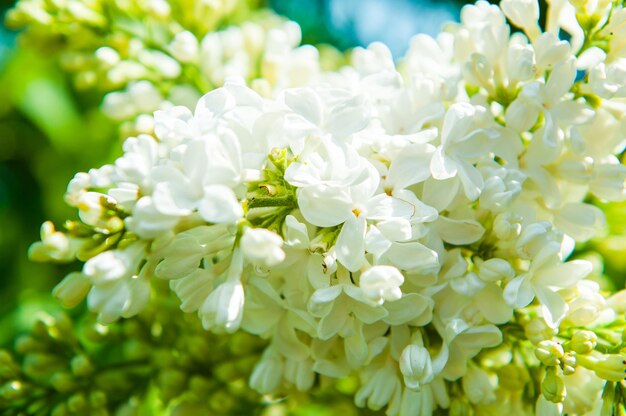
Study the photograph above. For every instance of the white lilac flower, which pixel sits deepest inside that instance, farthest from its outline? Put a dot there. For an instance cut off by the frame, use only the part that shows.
(546, 273)
(262, 246)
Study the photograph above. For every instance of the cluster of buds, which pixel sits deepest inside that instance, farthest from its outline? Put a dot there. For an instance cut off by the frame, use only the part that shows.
(151, 55)
(65, 367)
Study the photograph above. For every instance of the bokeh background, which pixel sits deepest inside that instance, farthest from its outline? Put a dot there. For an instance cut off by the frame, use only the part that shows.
(49, 130)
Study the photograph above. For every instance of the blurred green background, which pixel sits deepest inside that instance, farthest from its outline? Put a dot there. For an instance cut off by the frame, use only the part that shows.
(49, 130)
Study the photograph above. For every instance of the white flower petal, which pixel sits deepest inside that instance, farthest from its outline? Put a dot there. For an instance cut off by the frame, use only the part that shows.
(350, 246)
(219, 205)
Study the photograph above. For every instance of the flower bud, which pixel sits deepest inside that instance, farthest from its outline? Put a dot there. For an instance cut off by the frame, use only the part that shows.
(549, 352)
(568, 364)
(520, 62)
(523, 13)
(54, 245)
(72, 289)
(460, 407)
(553, 388)
(91, 207)
(171, 383)
(583, 342)
(184, 47)
(262, 246)
(478, 387)
(63, 382)
(495, 269)
(12, 390)
(8, 366)
(107, 56)
(26, 344)
(81, 366)
(546, 408)
(77, 403)
(536, 330)
(505, 227)
(97, 399)
(60, 410)
(381, 283)
(512, 377)
(416, 366)
(611, 367)
(223, 308)
(160, 62)
(159, 8)
(267, 374)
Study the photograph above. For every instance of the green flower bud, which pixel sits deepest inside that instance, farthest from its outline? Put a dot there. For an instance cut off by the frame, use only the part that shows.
(60, 410)
(72, 289)
(63, 382)
(512, 377)
(8, 367)
(225, 372)
(115, 224)
(201, 386)
(77, 403)
(13, 390)
(27, 344)
(188, 408)
(81, 366)
(221, 401)
(549, 352)
(459, 407)
(583, 342)
(97, 399)
(552, 387)
(136, 350)
(41, 364)
(172, 381)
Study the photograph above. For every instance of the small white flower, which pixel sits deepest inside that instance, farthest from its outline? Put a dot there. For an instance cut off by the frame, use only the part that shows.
(523, 13)
(546, 274)
(382, 283)
(416, 366)
(184, 46)
(262, 247)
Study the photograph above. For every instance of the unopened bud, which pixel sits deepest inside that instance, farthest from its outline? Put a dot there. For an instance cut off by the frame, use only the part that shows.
(26, 344)
(512, 377)
(549, 352)
(107, 56)
(536, 330)
(97, 399)
(77, 403)
(72, 289)
(568, 364)
(12, 390)
(81, 366)
(63, 382)
(495, 269)
(553, 388)
(611, 367)
(583, 342)
(459, 407)
(8, 367)
(60, 410)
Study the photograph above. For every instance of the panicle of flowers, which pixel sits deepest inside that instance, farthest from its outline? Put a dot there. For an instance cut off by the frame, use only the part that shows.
(150, 55)
(409, 224)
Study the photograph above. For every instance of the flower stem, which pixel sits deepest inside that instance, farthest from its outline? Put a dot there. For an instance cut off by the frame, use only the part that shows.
(275, 201)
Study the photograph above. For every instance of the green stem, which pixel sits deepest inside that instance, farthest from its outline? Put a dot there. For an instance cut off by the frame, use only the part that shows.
(277, 201)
